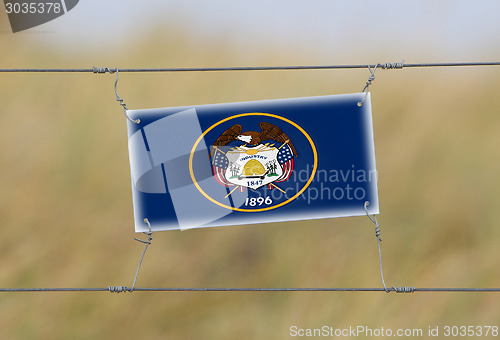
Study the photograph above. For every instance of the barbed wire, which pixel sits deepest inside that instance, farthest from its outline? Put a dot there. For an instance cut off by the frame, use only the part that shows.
(398, 65)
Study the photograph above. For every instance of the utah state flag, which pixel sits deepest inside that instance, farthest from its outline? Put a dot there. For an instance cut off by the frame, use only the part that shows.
(252, 162)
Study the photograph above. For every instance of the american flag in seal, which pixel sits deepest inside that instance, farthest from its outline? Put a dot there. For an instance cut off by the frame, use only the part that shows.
(223, 160)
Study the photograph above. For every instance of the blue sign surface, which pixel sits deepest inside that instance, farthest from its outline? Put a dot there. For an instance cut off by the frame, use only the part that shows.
(252, 162)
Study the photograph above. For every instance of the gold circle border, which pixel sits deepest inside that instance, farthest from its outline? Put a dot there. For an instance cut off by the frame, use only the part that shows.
(253, 114)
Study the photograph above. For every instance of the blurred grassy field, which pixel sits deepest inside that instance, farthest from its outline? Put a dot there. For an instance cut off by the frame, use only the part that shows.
(66, 208)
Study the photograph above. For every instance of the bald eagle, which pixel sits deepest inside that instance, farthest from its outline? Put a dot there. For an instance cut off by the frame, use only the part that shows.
(269, 132)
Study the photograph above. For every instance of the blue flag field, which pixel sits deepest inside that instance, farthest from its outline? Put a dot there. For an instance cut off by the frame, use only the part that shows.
(252, 162)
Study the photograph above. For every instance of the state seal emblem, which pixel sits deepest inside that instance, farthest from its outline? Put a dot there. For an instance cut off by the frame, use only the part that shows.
(250, 163)
(256, 158)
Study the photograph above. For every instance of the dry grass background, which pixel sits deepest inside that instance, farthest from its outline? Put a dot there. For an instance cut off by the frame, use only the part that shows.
(66, 209)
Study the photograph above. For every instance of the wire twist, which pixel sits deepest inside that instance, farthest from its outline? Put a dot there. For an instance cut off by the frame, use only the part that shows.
(371, 78)
(102, 70)
(374, 220)
(377, 235)
(122, 289)
(368, 83)
(404, 289)
(379, 239)
(147, 242)
(120, 100)
(117, 289)
(392, 66)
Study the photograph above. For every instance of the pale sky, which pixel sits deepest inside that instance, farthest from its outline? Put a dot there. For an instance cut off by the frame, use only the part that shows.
(448, 30)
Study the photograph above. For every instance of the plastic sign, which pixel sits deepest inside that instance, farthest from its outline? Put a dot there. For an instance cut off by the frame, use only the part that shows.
(252, 162)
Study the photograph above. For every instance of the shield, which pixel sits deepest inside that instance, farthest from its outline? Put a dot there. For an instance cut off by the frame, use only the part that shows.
(253, 167)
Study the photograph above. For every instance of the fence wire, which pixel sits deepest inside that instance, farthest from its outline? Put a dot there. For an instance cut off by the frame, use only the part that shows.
(124, 289)
(397, 65)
